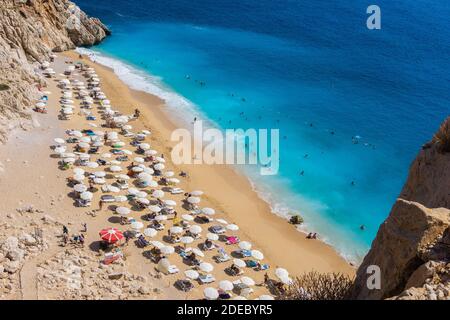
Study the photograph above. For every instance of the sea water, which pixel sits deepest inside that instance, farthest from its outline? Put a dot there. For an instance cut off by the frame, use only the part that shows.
(353, 105)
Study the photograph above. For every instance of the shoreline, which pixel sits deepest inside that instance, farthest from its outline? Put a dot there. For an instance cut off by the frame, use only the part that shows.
(230, 191)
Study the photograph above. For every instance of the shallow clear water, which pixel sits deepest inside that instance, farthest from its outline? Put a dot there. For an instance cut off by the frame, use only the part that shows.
(310, 68)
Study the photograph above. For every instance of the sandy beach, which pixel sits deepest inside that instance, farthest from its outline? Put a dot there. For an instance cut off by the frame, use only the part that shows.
(26, 158)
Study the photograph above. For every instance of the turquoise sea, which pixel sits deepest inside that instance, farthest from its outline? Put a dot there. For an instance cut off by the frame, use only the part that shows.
(310, 68)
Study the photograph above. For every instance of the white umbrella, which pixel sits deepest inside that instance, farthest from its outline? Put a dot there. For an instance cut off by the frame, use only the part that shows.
(195, 229)
(196, 193)
(193, 200)
(161, 217)
(150, 232)
(245, 245)
(133, 191)
(78, 171)
(106, 155)
(99, 181)
(198, 252)
(80, 188)
(146, 132)
(248, 281)
(157, 244)
(141, 194)
(186, 240)
(239, 298)
(211, 293)
(92, 165)
(206, 267)
(137, 169)
(121, 199)
(169, 174)
(257, 254)
(159, 166)
(239, 263)
(159, 159)
(115, 169)
(187, 217)
(143, 201)
(123, 211)
(144, 176)
(139, 160)
(60, 140)
(226, 285)
(60, 150)
(86, 195)
(78, 177)
(150, 152)
(167, 250)
(173, 180)
(122, 177)
(176, 230)
(221, 221)
(137, 225)
(158, 194)
(154, 209)
(149, 170)
(170, 203)
(191, 274)
(281, 273)
(144, 146)
(209, 211)
(232, 227)
(286, 280)
(212, 236)
(100, 174)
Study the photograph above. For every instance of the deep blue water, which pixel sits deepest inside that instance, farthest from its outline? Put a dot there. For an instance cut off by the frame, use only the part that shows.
(309, 68)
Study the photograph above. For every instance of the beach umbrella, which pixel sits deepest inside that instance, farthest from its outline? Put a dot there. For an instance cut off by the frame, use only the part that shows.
(144, 146)
(144, 176)
(209, 211)
(60, 140)
(170, 203)
(78, 177)
(92, 165)
(150, 183)
(100, 174)
(99, 181)
(186, 240)
(191, 274)
(115, 169)
(187, 217)
(78, 171)
(106, 155)
(196, 193)
(198, 252)
(150, 152)
(281, 273)
(123, 211)
(212, 236)
(139, 160)
(195, 229)
(159, 166)
(132, 191)
(146, 132)
(137, 169)
(110, 188)
(232, 227)
(160, 159)
(286, 280)
(266, 297)
(122, 177)
(221, 221)
(239, 263)
(164, 265)
(158, 194)
(69, 160)
(167, 250)
(86, 195)
(141, 194)
(169, 174)
(84, 145)
(149, 171)
(226, 285)
(121, 199)
(143, 201)
(80, 188)
(239, 298)
(193, 200)
(60, 149)
(137, 225)
(157, 244)
(248, 281)
(245, 245)
(127, 127)
(206, 267)
(176, 230)
(111, 235)
(150, 232)
(257, 254)
(161, 217)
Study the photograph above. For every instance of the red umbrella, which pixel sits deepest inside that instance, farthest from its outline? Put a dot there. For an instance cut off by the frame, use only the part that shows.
(111, 235)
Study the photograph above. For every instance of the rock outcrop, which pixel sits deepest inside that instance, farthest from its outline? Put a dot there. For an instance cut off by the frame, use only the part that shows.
(30, 30)
(412, 247)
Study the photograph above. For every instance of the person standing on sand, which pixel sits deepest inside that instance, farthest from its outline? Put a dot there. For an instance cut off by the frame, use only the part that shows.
(84, 224)
(100, 205)
(65, 230)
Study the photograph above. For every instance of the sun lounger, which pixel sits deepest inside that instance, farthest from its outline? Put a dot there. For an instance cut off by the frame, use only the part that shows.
(232, 240)
(208, 278)
(217, 229)
(107, 198)
(244, 253)
(222, 257)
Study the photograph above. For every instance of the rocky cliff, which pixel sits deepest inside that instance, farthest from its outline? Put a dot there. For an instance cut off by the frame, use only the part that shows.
(412, 247)
(29, 31)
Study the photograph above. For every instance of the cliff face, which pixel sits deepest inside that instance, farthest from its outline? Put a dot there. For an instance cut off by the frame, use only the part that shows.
(412, 247)
(29, 31)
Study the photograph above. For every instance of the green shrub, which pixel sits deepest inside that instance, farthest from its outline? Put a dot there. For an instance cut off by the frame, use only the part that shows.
(442, 137)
